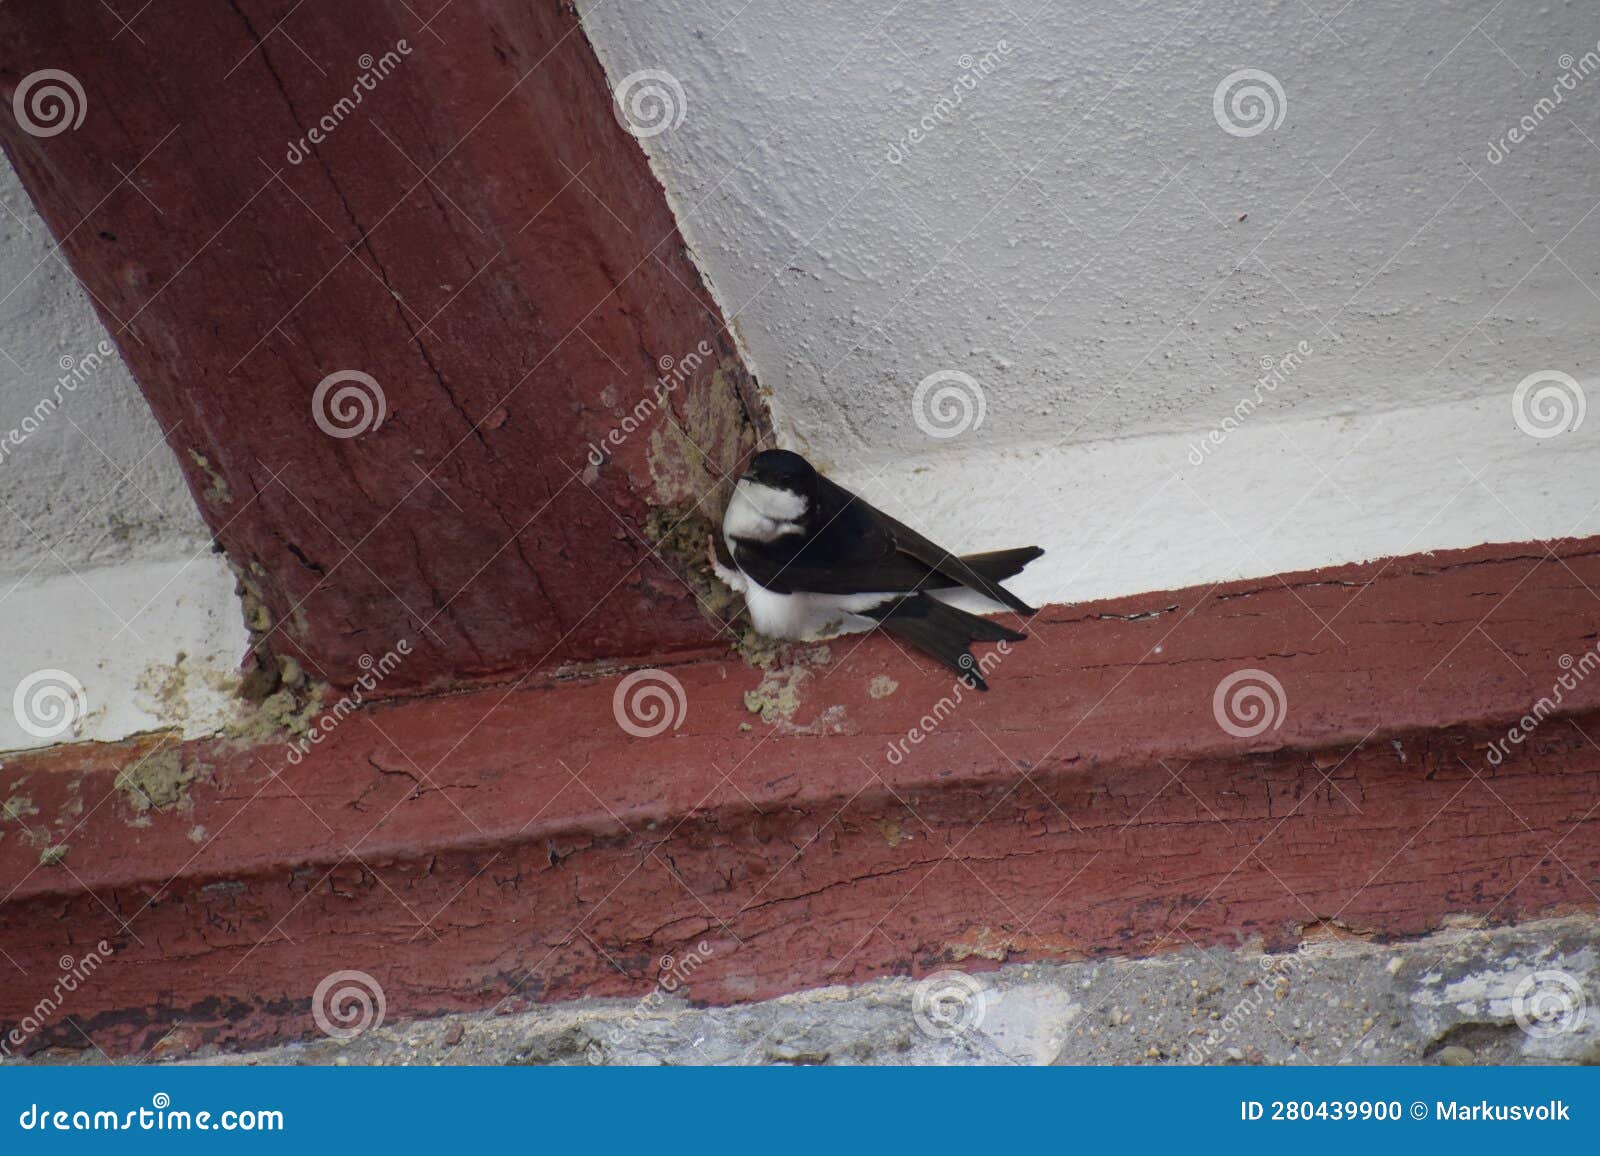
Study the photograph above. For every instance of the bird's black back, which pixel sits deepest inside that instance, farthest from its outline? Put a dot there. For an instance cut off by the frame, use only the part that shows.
(851, 547)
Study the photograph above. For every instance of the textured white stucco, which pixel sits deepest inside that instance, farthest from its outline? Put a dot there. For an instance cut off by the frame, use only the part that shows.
(1140, 515)
(1082, 238)
(106, 571)
(1075, 230)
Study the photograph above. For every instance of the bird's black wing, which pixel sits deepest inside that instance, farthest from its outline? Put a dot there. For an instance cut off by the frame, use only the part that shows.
(924, 553)
(943, 631)
(846, 551)
(855, 548)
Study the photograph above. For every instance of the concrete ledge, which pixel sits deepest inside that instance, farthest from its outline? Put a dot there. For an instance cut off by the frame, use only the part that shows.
(494, 849)
(1448, 998)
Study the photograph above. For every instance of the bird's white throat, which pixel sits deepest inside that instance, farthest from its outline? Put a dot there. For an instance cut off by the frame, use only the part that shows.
(762, 513)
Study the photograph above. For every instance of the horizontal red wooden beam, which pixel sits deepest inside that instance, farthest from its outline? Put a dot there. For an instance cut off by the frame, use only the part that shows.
(411, 307)
(840, 816)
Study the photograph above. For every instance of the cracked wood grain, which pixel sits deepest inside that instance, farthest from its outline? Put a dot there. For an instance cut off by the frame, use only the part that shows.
(478, 850)
(479, 235)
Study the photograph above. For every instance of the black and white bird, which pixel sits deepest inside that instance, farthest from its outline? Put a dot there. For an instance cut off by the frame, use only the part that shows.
(814, 560)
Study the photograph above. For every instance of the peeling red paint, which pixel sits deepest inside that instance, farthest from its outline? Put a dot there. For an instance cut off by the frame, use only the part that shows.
(489, 849)
(478, 237)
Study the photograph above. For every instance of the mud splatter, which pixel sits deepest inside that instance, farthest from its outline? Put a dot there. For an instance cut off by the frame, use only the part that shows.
(777, 697)
(157, 782)
(679, 533)
(217, 493)
(893, 834)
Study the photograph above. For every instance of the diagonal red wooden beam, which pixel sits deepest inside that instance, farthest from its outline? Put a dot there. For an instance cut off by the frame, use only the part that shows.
(847, 814)
(430, 213)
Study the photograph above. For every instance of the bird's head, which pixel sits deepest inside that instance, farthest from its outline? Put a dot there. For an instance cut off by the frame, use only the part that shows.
(782, 470)
(773, 498)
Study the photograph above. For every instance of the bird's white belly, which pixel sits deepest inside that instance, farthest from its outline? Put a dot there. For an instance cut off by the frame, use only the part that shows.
(808, 617)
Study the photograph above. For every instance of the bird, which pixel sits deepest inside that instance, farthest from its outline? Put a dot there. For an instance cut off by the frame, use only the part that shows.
(814, 560)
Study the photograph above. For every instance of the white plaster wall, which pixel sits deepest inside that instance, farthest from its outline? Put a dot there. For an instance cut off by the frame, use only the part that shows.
(106, 571)
(1082, 238)
(1140, 515)
(1071, 235)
